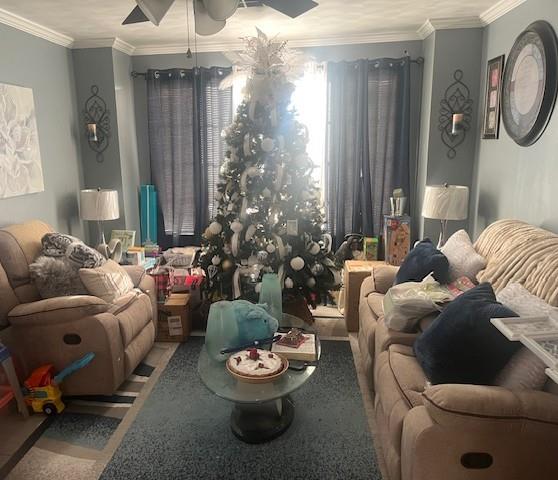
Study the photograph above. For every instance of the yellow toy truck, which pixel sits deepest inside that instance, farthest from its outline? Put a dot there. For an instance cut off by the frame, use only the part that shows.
(42, 392)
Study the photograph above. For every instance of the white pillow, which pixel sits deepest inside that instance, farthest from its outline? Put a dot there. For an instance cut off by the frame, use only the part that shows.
(464, 261)
(524, 371)
(517, 298)
(108, 282)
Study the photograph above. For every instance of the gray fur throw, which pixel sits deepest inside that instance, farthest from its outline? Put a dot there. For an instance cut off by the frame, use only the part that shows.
(56, 277)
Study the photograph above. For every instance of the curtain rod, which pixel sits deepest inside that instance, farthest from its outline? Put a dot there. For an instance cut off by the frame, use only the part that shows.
(418, 61)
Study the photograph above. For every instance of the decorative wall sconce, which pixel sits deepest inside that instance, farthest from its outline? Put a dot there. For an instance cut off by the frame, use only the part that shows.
(456, 111)
(97, 122)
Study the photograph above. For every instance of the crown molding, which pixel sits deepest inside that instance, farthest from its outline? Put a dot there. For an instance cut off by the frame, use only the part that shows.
(35, 29)
(123, 46)
(447, 23)
(208, 47)
(501, 8)
(425, 30)
(115, 43)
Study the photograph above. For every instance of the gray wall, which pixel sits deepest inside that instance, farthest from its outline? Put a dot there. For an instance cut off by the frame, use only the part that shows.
(447, 51)
(513, 181)
(330, 53)
(46, 68)
(94, 66)
(124, 93)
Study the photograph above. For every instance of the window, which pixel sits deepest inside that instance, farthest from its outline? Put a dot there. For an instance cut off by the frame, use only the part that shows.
(310, 101)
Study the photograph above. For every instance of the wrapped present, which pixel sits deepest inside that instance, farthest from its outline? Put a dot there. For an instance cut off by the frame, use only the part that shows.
(189, 280)
(164, 280)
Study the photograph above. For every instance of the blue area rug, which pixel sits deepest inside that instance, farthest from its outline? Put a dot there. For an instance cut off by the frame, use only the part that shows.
(183, 431)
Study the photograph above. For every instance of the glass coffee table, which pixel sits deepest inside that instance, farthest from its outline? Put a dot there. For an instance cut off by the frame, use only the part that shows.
(261, 412)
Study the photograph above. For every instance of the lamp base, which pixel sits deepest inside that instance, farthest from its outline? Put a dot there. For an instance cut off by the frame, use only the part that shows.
(443, 234)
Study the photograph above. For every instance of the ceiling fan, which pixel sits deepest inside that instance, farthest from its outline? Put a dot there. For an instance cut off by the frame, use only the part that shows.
(211, 15)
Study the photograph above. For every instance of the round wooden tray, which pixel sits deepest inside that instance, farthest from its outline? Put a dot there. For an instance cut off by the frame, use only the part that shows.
(266, 379)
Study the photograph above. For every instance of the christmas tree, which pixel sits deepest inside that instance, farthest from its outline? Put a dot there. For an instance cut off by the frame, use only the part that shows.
(269, 212)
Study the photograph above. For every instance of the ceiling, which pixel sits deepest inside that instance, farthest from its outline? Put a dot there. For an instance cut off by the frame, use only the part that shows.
(332, 21)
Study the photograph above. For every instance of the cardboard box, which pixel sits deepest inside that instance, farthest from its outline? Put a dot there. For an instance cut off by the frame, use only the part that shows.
(175, 322)
(397, 238)
(354, 273)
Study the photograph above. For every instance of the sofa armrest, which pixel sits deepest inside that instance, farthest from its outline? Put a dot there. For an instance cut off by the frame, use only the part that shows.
(56, 310)
(452, 404)
(470, 431)
(61, 341)
(136, 273)
(380, 280)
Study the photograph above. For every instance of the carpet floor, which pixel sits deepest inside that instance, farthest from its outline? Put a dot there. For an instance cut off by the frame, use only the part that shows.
(182, 430)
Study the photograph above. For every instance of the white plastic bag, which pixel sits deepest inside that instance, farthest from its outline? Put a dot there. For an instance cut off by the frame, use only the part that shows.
(405, 304)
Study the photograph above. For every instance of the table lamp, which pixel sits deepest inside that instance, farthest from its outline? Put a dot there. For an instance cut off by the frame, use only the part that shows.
(445, 202)
(99, 205)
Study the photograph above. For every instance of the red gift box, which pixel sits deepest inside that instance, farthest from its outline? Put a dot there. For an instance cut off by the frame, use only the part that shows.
(164, 280)
(188, 280)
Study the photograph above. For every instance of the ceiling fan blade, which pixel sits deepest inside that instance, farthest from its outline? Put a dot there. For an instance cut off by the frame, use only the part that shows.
(136, 16)
(292, 8)
(149, 10)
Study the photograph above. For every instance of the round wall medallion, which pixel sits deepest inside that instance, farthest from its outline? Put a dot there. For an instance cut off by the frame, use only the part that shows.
(530, 83)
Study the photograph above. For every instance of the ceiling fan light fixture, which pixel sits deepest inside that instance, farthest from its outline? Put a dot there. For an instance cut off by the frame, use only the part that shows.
(148, 10)
(205, 25)
(220, 9)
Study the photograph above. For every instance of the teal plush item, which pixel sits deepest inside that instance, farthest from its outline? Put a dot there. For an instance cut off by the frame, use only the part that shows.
(271, 295)
(232, 324)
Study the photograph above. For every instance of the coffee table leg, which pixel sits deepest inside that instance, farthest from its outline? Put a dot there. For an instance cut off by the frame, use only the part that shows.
(261, 422)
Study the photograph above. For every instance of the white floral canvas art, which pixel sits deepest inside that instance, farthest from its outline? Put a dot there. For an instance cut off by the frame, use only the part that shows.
(21, 171)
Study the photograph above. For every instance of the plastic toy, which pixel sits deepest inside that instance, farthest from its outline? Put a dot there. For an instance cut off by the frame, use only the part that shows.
(42, 392)
(231, 324)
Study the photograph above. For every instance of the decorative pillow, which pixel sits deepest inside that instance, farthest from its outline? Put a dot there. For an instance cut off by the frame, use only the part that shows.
(464, 261)
(517, 298)
(109, 282)
(83, 256)
(461, 345)
(421, 261)
(56, 277)
(55, 244)
(524, 371)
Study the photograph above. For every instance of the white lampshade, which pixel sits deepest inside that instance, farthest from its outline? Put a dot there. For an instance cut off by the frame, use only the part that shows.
(98, 205)
(446, 202)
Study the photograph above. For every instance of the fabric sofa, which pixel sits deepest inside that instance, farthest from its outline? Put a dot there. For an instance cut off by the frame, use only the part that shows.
(60, 330)
(462, 432)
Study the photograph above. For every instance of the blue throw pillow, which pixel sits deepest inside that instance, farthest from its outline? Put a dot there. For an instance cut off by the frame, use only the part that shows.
(422, 260)
(461, 345)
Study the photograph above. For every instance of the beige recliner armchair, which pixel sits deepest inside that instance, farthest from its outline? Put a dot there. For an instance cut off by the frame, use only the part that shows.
(60, 330)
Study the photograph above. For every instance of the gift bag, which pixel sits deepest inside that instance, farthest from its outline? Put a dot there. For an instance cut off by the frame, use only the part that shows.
(405, 304)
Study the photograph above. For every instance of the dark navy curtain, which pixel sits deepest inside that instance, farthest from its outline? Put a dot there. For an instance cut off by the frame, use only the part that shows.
(367, 151)
(186, 114)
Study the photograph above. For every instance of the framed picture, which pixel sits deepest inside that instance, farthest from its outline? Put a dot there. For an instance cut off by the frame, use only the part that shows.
(491, 124)
(126, 237)
(21, 170)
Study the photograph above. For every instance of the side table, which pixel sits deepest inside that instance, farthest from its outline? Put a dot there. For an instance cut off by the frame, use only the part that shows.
(8, 365)
(354, 273)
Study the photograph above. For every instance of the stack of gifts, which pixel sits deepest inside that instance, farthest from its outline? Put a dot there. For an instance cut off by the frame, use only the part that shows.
(178, 280)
